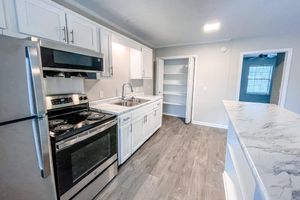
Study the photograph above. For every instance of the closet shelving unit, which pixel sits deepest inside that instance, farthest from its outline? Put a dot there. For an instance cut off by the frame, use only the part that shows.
(174, 81)
(175, 76)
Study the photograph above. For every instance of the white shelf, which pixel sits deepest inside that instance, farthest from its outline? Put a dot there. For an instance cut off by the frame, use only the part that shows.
(173, 115)
(174, 104)
(175, 93)
(175, 73)
(166, 83)
(175, 76)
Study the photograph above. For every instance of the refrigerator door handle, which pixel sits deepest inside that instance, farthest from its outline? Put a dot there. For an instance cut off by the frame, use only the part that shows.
(38, 107)
(41, 140)
(34, 76)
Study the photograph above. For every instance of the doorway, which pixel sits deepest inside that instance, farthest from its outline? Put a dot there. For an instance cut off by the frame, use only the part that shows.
(264, 76)
(175, 82)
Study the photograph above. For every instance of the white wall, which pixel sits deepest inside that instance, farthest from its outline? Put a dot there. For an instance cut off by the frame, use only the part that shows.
(217, 72)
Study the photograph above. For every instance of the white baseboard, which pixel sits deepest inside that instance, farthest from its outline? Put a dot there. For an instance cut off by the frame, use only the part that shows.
(172, 115)
(209, 124)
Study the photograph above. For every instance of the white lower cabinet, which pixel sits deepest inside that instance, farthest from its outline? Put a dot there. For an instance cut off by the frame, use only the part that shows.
(136, 127)
(149, 125)
(124, 142)
(157, 113)
(137, 133)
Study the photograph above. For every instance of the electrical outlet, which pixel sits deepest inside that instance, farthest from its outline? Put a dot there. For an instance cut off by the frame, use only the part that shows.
(101, 94)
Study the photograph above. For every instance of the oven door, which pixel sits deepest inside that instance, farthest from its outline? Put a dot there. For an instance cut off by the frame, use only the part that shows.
(78, 156)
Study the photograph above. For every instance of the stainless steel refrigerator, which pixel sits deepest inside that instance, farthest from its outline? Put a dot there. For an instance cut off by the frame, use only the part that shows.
(25, 171)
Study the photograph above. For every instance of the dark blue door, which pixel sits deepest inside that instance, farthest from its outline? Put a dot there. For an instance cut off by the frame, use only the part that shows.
(256, 80)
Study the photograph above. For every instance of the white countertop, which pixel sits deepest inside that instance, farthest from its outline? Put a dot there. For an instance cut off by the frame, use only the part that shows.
(107, 106)
(270, 138)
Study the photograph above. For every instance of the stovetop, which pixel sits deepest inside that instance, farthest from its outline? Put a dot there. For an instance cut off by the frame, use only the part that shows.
(66, 125)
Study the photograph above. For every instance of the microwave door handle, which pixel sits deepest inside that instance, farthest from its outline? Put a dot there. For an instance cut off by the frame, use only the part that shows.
(41, 140)
(34, 77)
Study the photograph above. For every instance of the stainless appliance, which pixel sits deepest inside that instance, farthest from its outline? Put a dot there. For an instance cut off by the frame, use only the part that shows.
(25, 171)
(66, 58)
(84, 145)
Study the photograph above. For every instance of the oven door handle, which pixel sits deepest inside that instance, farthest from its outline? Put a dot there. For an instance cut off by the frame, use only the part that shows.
(85, 135)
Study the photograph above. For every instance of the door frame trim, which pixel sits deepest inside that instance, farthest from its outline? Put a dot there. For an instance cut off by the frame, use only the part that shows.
(194, 76)
(286, 71)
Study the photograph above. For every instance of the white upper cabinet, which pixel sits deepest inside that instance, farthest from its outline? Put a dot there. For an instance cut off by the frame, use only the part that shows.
(136, 64)
(2, 15)
(141, 63)
(41, 19)
(46, 19)
(147, 63)
(82, 32)
(106, 50)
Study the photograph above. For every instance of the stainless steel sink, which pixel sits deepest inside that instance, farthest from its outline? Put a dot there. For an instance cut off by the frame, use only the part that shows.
(131, 102)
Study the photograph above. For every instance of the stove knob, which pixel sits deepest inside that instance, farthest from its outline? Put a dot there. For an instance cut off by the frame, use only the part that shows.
(85, 98)
(80, 98)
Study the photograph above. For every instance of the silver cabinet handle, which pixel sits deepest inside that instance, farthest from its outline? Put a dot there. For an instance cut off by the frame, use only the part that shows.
(72, 38)
(124, 120)
(65, 34)
(111, 71)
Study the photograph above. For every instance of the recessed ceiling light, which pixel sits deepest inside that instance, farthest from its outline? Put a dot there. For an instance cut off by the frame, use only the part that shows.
(212, 27)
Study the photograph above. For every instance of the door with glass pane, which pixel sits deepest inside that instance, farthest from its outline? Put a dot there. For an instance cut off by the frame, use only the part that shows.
(256, 80)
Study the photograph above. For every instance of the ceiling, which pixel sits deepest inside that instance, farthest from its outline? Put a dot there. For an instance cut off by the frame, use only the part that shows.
(162, 23)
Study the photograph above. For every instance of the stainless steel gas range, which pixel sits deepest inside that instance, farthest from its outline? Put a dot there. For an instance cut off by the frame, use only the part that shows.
(84, 146)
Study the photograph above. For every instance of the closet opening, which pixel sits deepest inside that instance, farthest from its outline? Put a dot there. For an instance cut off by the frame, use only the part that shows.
(175, 82)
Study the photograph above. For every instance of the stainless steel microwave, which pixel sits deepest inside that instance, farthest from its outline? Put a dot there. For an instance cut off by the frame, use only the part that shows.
(67, 58)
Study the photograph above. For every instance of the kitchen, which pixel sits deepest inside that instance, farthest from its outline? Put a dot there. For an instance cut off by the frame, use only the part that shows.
(93, 110)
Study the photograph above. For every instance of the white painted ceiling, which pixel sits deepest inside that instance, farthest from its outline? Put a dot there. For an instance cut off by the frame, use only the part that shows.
(177, 22)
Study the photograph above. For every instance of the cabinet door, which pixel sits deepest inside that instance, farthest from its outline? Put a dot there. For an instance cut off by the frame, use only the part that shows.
(148, 127)
(2, 15)
(41, 19)
(124, 142)
(157, 119)
(106, 50)
(147, 63)
(82, 32)
(137, 133)
(135, 64)
(159, 79)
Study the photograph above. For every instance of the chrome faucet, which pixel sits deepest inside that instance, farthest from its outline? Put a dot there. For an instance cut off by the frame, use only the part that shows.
(123, 90)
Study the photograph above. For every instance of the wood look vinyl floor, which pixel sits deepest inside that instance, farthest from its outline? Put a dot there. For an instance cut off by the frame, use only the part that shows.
(179, 162)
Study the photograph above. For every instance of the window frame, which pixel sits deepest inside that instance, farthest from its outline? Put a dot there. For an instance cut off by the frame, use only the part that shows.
(260, 79)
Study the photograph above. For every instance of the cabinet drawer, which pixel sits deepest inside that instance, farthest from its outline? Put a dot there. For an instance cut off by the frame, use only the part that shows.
(142, 111)
(157, 104)
(125, 118)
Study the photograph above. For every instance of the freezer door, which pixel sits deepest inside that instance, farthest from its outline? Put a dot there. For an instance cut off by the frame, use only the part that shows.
(20, 80)
(22, 166)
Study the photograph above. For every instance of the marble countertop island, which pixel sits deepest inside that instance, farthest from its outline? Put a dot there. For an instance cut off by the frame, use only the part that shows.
(270, 138)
